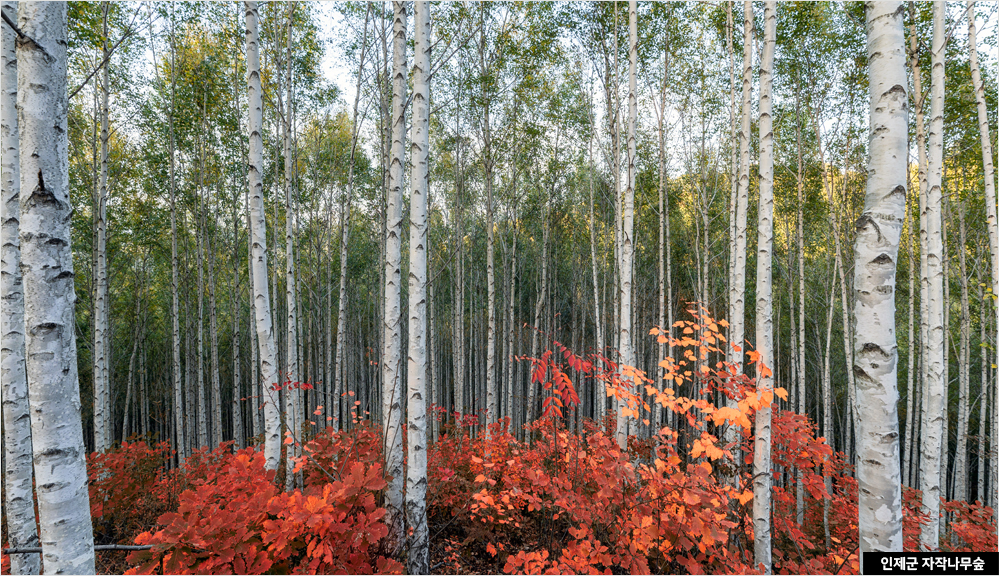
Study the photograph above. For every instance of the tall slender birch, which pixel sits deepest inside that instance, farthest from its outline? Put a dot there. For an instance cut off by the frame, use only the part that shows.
(737, 292)
(878, 231)
(49, 297)
(416, 472)
(762, 480)
(258, 231)
(392, 315)
(341, 323)
(180, 440)
(990, 213)
(292, 394)
(626, 423)
(19, 497)
(959, 490)
(930, 462)
(102, 434)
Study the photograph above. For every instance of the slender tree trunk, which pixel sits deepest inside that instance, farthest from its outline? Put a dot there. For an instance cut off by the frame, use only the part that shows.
(762, 480)
(258, 228)
(49, 296)
(238, 430)
(800, 237)
(178, 393)
(139, 327)
(293, 391)
(416, 473)
(538, 308)
(959, 491)
(991, 215)
(19, 498)
(878, 232)
(102, 431)
(733, 201)
(200, 256)
(488, 166)
(213, 344)
(625, 422)
(392, 413)
(983, 396)
(933, 435)
(600, 395)
(737, 288)
(827, 420)
(509, 358)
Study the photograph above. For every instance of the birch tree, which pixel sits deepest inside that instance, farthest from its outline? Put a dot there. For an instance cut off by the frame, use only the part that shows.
(878, 232)
(19, 495)
(49, 297)
(258, 231)
(762, 480)
(416, 472)
(102, 434)
(341, 324)
(392, 315)
(292, 393)
(737, 291)
(991, 215)
(628, 225)
(935, 401)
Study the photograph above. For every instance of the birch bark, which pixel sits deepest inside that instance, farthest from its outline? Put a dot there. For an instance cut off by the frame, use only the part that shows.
(258, 231)
(49, 296)
(876, 248)
(933, 418)
(737, 291)
(416, 473)
(19, 496)
(762, 480)
(959, 490)
(626, 423)
(180, 440)
(990, 209)
(102, 434)
(292, 392)
(392, 317)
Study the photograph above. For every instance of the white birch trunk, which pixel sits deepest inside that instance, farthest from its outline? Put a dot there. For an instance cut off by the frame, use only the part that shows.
(258, 231)
(102, 434)
(19, 498)
(180, 440)
(991, 215)
(878, 230)
(488, 167)
(933, 418)
(625, 424)
(213, 344)
(49, 297)
(292, 394)
(600, 394)
(737, 284)
(392, 316)
(827, 421)
(341, 324)
(762, 479)
(959, 490)
(416, 474)
(202, 429)
(983, 396)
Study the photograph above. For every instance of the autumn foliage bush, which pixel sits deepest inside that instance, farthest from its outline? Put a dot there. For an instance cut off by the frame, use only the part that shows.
(234, 519)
